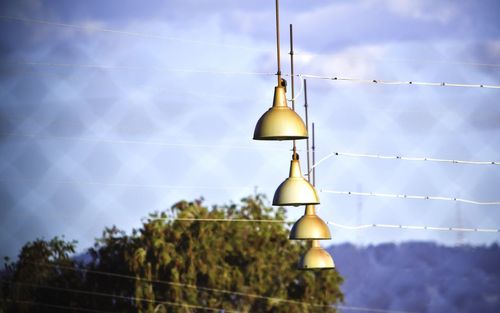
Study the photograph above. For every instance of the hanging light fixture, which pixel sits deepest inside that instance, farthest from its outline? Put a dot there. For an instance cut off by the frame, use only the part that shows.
(280, 122)
(316, 258)
(295, 190)
(310, 226)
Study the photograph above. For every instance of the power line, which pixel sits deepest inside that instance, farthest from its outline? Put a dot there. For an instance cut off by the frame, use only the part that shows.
(355, 308)
(494, 65)
(214, 289)
(375, 81)
(152, 186)
(405, 196)
(141, 142)
(342, 307)
(349, 227)
(400, 82)
(405, 158)
(102, 294)
(209, 43)
(134, 68)
(414, 227)
(170, 283)
(227, 220)
(126, 33)
(197, 145)
(165, 186)
(55, 306)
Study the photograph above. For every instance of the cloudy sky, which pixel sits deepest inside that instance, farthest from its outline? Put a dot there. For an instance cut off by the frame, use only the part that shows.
(112, 110)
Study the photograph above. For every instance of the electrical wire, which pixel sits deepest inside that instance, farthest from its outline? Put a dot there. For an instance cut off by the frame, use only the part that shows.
(55, 306)
(400, 82)
(349, 227)
(375, 81)
(405, 158)
(404, 196)
(195, 145)
(170, 283)
(413, 227)
(455, 229)
(152, 186)
(315, 54)
(126, 33)
(102, 294)
(342, 307)
(300, 90)
(165, 186)
(141, 142)
(134, 68)
(354, 308)
(178, 39)
(274, 299)
(230, 220)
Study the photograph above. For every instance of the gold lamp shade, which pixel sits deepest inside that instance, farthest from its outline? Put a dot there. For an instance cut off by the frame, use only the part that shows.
(310, 226)
(316, 258)
(295, 190)
(280, 122)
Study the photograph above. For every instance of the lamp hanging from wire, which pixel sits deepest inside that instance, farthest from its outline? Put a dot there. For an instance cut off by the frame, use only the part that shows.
(310, 226)
(280, 122)
(295, 190)
(316, 258)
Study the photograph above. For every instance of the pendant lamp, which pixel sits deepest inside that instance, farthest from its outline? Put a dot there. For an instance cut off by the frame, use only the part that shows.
(316, 258)
(310, 226)
(280, 122)
(295, 190)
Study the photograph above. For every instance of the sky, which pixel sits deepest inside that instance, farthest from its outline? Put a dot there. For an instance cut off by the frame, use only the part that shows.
(112, 110)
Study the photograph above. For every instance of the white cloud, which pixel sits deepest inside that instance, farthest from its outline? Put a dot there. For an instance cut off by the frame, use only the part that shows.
(354, 61)
(493, 48)
(426, 10)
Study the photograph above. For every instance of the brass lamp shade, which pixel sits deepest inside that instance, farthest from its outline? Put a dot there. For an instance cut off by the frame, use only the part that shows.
(295, 190)
(280, 122)
(310, 226)
(316, 258)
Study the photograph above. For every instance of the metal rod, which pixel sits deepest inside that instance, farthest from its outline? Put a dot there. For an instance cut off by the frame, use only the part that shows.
(307, 127)
(278, 42)
(313, 156)
(292, 76)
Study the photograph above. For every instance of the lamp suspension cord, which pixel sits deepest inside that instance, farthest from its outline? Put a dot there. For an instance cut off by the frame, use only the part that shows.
(278, 42)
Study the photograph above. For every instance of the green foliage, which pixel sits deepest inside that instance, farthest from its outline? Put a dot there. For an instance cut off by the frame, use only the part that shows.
(181, 261)
(32, 269)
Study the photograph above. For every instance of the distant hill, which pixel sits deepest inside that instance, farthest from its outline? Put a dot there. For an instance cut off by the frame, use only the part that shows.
(420, 277)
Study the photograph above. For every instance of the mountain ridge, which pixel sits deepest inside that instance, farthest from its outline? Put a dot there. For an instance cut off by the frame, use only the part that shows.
(420, 276)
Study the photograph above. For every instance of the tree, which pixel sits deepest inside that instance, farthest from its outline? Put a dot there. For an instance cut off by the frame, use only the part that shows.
(20, 279)
(178, 263)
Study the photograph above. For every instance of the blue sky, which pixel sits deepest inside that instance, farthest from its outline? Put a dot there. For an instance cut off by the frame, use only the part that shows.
(83, 147)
